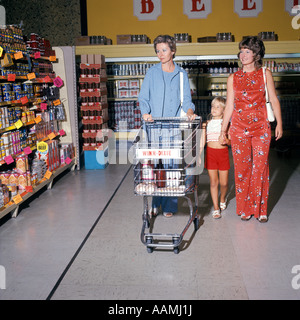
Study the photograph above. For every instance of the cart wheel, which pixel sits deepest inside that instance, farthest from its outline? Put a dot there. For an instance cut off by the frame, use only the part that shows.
(149, 249)
(175, 249)
(196, 223)
(147, 223)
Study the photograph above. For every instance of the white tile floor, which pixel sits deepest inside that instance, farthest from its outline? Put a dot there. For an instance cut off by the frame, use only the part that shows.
(81, 240)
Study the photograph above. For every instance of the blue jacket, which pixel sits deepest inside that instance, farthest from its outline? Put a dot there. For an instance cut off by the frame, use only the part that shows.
(151, 97)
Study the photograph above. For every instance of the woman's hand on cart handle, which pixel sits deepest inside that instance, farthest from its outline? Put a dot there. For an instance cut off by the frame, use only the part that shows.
(191, 115)
(147, 117)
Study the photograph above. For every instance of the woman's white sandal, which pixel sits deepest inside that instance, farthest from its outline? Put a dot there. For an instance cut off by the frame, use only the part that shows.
(216, 214)
(223, 205)
(245, 218)
(263, 219)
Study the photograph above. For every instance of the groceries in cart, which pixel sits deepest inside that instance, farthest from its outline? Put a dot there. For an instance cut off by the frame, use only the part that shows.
(154, 178)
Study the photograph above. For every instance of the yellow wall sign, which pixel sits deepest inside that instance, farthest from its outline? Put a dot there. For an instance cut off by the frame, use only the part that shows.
(198, 18)
(42, 147)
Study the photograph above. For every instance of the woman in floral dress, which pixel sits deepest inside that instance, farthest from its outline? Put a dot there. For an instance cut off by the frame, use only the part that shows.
(250, 129)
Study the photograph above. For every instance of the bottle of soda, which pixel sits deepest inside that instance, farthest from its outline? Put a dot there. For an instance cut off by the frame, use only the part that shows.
(160, 175)
(147, 171)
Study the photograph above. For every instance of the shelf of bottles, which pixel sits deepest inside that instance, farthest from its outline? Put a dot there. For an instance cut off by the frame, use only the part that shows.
(208, 79)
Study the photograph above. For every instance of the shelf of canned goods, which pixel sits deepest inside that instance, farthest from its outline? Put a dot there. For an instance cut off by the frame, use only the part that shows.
(38, 112)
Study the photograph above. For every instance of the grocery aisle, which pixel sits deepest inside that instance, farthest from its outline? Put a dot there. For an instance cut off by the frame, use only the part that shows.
(37, 246)
(57, 251)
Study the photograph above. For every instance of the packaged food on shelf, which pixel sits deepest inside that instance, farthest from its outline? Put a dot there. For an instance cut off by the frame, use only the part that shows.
(66, 151)
(93, 95)
(50, 155)
(4, 195)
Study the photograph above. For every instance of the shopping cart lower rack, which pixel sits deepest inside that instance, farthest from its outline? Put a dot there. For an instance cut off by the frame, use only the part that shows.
(166, 163)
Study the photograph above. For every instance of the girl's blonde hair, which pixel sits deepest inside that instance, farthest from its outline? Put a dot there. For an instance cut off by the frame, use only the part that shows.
(221, 101)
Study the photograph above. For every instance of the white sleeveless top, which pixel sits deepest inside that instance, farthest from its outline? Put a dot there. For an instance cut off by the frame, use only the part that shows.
(213, 130)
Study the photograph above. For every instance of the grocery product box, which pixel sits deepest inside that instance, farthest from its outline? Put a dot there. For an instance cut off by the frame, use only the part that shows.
(66, 150)
(123, 84)
(134, 93)
(51, 155)
(123, 93)
(97, 159)
(123, 38)
(82, 41)
(7, 60)
(207, 39)
(134, 84)
(92, 59)
(99, 59)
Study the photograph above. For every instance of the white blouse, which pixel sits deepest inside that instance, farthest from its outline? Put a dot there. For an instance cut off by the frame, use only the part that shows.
(213, 130)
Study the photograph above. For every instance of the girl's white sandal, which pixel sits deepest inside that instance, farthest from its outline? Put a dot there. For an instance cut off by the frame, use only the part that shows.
(223, 205)
(216, 214)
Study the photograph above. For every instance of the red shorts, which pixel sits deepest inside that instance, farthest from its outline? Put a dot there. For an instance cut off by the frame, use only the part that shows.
(217, 159)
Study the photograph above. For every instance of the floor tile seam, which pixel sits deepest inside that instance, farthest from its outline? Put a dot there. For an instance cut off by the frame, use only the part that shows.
(86, 237)
(236, 256)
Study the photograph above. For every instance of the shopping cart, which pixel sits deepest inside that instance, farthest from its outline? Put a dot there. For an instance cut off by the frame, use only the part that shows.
(167, 163)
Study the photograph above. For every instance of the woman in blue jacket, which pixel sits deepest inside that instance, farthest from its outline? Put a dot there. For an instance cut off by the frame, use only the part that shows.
(160, 97)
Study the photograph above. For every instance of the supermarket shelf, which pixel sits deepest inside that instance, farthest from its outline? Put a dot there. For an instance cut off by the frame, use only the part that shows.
(122, 99)
(13, 127)
(55, 135)
(140, 76)
(66, 69)
(14, 208)
(204, 75)
(191, 51)
(13, 102)
(126, 135)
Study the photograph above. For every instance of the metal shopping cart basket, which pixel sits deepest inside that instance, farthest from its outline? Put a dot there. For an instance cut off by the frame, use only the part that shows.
(167, 163)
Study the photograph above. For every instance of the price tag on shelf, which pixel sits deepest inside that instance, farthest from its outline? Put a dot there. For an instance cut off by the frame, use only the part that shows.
(17, 199)
(58, 82)
(68, 160)
(18, 55)
(31, 76)
(52, 58)
(37, 55)
(51, 135)
(9, 159)
(56, 102)
(38, 119)
(24, 100)
(28, 188)
(47, 79)
(62, 132)
(27, 150)
(43, 106)
(1, 51)
(18, 124)
(11, 77)
(48, 174)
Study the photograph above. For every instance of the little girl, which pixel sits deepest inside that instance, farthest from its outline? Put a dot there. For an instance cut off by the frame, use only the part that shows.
(217, 157)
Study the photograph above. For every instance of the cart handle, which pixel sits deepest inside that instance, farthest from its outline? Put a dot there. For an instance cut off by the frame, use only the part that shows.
(172, 118)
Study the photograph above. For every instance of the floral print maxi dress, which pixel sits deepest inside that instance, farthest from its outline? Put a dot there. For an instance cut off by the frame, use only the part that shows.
(250, 136)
